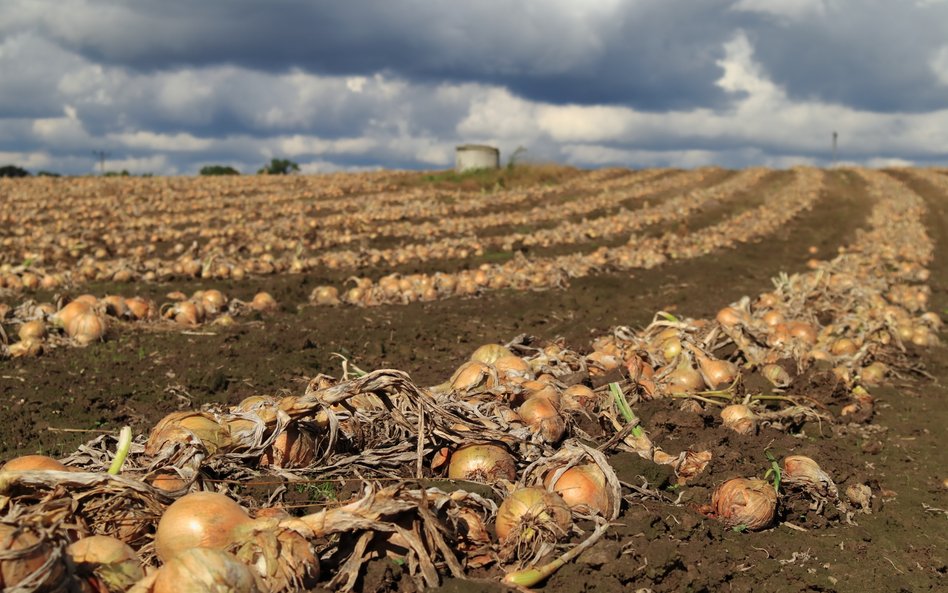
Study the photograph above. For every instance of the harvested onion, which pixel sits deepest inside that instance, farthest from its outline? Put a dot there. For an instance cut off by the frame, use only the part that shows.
(484, 462)
(35, 463)
(202, 570)
(107, 560)
(530, 509)
(582, 486)
(739, 418)
(198, 520)
(742, 501)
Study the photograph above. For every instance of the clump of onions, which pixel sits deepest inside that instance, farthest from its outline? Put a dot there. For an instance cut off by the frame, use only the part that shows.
(185, 427)
(202, 570)
(263, 302)
(542, 416)
(489, 353)
(198, 520)
(482, 462)
(292, 448)
(32, 330)
(531, 512)
(739, 418)
(803, 471)
(745, 501)
(106, 560)
(35, 463)
(582, 486)
(22, 554)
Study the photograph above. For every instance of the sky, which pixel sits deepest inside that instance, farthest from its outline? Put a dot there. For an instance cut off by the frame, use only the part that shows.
(169, 86)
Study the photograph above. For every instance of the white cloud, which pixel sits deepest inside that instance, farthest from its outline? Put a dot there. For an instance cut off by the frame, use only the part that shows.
(791, 9)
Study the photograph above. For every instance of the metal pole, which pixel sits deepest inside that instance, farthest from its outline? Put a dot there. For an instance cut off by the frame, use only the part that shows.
(835, 137)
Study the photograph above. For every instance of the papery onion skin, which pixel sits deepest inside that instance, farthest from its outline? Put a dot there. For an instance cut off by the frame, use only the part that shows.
(109, 559)
(202, 570)
(739, 418)
(582, 485)
(198, 520)
(15, 542)
(745, 501)
(482, 462)
(293, 448)
(530, 505)
(802, 470)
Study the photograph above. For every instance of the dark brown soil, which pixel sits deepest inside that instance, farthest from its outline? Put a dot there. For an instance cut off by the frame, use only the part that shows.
(138, 376)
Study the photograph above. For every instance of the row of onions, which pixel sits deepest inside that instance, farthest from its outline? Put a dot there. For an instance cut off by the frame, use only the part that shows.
(511, 429)
(93, 235)
(86, 319)
(540, 273)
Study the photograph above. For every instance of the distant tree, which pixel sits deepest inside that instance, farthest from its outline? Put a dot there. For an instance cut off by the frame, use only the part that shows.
(13, 171)
(279, 167)
(46, 174)
(219, 170)
(122, 173)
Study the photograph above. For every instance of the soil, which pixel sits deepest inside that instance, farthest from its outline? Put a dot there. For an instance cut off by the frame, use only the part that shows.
(54, 403)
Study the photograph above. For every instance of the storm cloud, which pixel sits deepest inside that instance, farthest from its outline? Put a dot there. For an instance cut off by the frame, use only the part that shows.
(168, 86)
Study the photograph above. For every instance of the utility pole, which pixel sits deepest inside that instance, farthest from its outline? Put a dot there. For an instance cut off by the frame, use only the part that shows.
(835, 137)
(101, 155)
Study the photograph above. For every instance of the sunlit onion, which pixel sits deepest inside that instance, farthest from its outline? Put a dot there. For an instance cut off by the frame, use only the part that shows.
(293, 448)
(32, 330)
(264, 302)
(801, 470)
(184, 427)
(105, 559)
(482, 462)
(531, 512)
(739, 418)
(582, 486)
(198, 519)
(202, 570)
(489, 353)
(751, 503)
(35, 463)
(543, 417)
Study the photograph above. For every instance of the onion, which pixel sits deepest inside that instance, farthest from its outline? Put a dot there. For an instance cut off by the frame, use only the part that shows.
(844, 347)
(472, 375)
(776, 374)
(291, 449)
(140, 308)
(32, 330)
(730, 316)
(325, 295)
(264, 302)
(115, 305)
(532, 511)
(28, 347)
(801, 470)
(802, 331)
(772, 318)
(582, 486)
(201, 570)
(684, 378)
(67, 314)
(543, 417)
(198, 520)
(87, 327)
(716, 373)
(184, 427)
(512, 370)
(212, 301)
(35, 463)
(22, 554)
(107, 560)
(874, 373)
(168, 481)
(486, 463)
(748, 502)
(671, 348)
(739, 418)
(579, 398)
(282, 556)
(489, 353)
